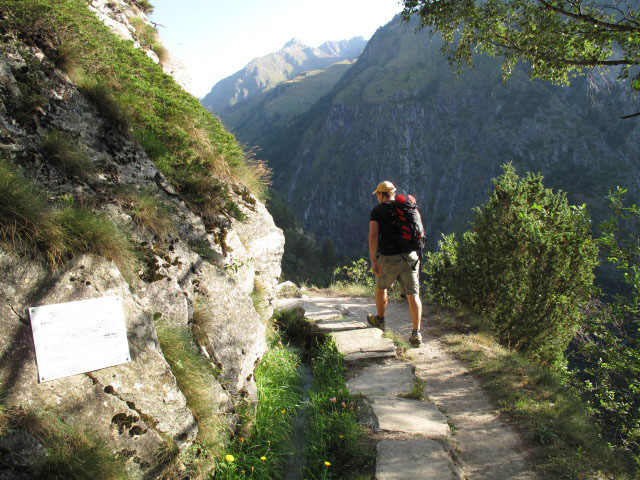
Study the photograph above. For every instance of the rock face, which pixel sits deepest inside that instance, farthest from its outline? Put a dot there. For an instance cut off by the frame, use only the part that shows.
(138, 407)
(400, 114)
(117, 15)
(264, 73)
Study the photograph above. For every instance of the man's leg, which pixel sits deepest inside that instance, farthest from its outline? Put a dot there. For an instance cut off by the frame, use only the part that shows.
(382, 298)
(415, 310)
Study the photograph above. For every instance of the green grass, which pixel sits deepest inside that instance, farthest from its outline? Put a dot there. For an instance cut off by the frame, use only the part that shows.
(25, 221)
(87, 231)
(261, 453)
(334, 435)
(545, 407)
(397, 340)
(196, 377)
(28, 223)
(70, 451)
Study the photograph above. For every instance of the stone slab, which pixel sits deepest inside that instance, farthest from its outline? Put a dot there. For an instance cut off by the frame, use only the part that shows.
(391, 379)
(363, 356)
(339, 325)
(412, 459)
(354, 311)
(364, 340)
(320, 312)
(409, 416)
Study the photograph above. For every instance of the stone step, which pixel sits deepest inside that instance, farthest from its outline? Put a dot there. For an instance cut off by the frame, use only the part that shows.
(339, 325)
(409, 416)
(395, 378)
(412, 459)
(364, 343)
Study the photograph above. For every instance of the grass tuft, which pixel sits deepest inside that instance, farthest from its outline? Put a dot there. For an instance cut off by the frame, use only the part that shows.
(60, 150)
(70, 452)
(25, 222)
(98, 93)
(195, 376)
(87, 231)
(148, 211)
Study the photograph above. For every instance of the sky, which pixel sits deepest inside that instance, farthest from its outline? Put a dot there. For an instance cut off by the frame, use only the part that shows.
(216, 38)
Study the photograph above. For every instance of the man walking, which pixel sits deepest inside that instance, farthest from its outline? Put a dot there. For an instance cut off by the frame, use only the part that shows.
(390, 262)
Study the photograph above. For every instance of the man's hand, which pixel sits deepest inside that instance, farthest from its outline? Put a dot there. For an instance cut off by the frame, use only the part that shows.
(376, 268)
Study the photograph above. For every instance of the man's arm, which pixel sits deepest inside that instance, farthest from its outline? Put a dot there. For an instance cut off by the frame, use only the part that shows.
(373, 248)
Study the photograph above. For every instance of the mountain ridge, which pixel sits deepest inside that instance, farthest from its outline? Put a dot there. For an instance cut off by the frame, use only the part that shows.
(264, 73)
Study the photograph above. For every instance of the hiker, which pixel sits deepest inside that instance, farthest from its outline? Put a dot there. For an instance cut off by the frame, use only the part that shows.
(391, 261)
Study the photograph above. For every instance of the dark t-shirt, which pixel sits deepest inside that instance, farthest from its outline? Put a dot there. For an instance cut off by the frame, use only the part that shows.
(382, 215)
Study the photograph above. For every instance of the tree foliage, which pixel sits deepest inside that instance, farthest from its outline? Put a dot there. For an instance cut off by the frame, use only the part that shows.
(526, 265)
(607, 357)
(558, 38)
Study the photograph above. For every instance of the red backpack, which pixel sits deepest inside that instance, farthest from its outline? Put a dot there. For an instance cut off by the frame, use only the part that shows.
(406, 219)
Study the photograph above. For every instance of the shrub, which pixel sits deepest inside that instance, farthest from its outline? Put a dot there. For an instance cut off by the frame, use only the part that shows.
(527, 265)
(66, 154)
(606, 358)
(439, 268)
(145, 6)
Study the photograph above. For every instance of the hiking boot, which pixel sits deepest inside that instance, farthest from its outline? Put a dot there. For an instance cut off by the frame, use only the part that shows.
(376, 321)
(415, 339)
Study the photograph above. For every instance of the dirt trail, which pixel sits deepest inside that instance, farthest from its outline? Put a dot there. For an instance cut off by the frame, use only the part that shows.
(488, 448)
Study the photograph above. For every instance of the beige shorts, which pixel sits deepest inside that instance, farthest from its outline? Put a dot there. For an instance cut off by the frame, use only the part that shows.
(401, 268)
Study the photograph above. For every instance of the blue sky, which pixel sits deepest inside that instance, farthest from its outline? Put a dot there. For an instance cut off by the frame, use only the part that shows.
(216, 38)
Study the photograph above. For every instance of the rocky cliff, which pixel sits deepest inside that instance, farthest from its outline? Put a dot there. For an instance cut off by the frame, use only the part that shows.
(399, 113)
(264, 73)
(183, 263)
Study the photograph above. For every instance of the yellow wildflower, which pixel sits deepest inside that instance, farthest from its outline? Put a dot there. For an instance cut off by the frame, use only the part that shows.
(263, 458)
(340, 436)
(229, 458)
(283, 411)
(327, 464)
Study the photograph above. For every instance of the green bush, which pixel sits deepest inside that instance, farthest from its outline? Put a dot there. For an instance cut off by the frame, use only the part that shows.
(526, 265)
(438, 268)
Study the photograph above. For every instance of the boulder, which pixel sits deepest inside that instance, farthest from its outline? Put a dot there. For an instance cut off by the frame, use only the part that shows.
(133, 405)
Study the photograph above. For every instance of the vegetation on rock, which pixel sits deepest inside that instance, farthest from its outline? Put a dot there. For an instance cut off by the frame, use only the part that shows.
(186, 142)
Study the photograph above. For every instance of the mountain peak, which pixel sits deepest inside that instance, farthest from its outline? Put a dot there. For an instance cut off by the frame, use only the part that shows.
(294, 42)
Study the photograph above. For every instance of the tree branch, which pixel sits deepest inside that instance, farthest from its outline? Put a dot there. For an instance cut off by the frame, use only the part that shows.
(588, 19)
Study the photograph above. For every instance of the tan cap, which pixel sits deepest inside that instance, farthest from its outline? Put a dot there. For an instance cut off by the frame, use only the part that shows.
(385, 186)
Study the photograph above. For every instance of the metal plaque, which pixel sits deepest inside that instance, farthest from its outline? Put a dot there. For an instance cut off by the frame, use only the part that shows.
(78, 337)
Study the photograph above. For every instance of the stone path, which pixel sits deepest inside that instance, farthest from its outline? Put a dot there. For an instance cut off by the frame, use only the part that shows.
(415, 438)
